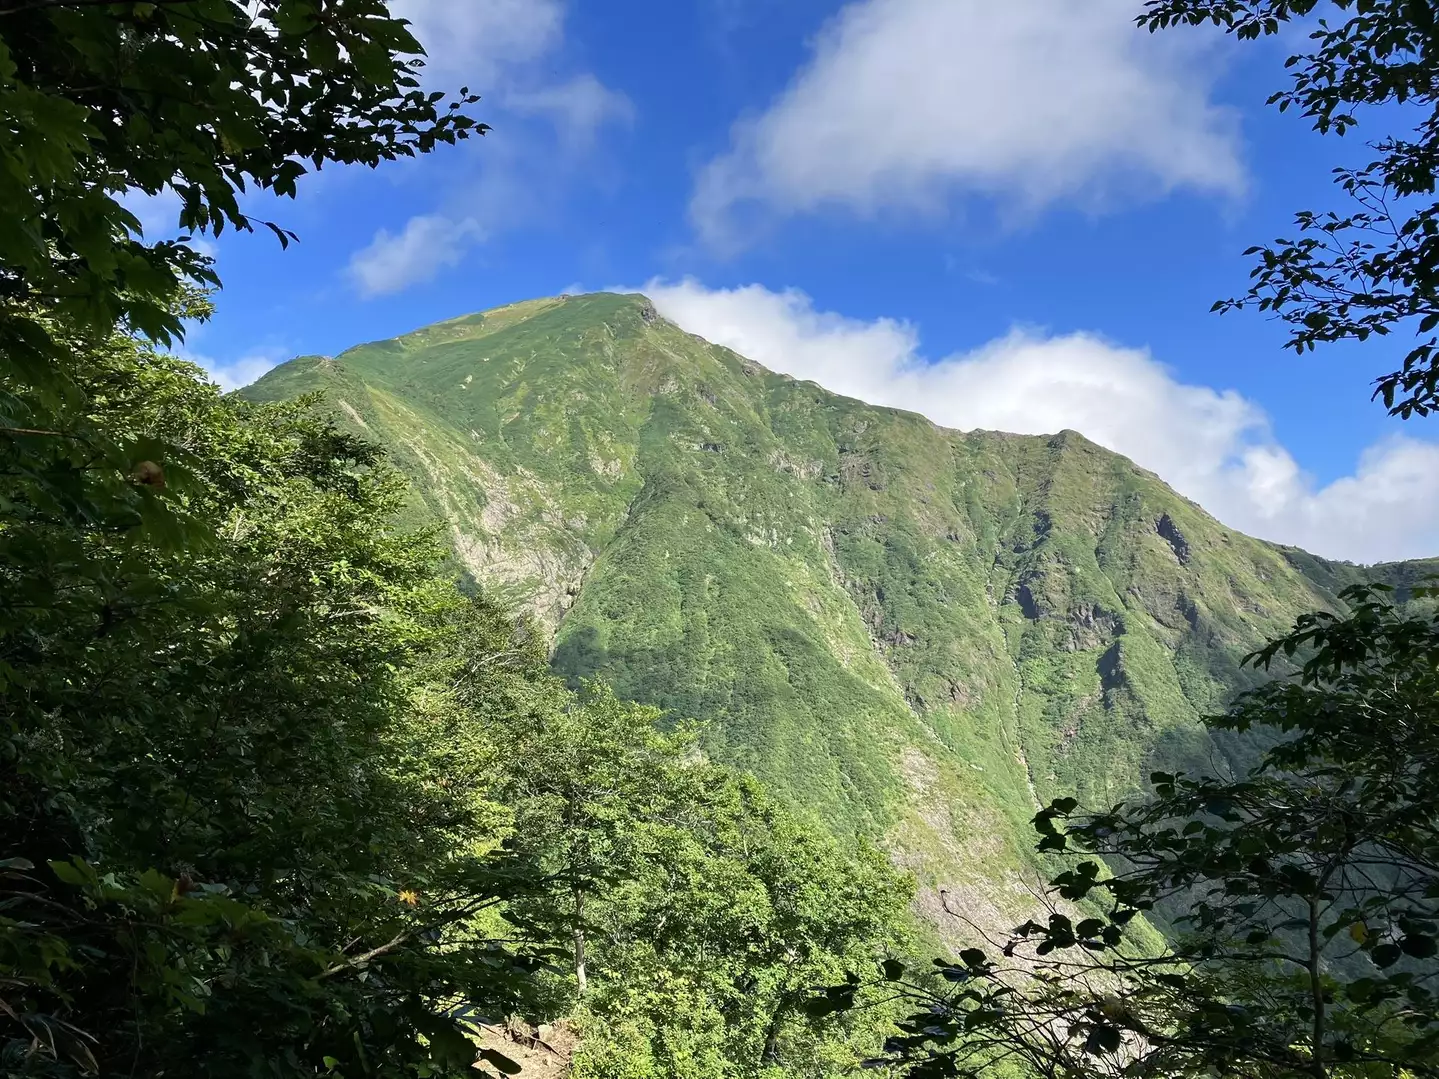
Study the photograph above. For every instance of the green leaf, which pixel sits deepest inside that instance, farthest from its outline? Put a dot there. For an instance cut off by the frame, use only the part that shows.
(76, 871)
(448, 1044)
(157, 884)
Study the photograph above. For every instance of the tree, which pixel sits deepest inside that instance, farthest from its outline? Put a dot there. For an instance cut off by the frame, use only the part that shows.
(708, 944)
(1304, 895)
(699, 912)
(247, 820)
(1374, 269)
(761, 907)
(207, 99)
(585, 772)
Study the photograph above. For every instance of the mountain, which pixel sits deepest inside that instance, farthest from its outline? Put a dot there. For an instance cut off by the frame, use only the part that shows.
(920, 634)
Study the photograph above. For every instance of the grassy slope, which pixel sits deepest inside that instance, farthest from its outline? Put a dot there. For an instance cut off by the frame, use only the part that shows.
(915, 632)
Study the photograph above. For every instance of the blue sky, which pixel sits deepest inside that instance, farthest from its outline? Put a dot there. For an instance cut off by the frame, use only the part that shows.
(1005, 215)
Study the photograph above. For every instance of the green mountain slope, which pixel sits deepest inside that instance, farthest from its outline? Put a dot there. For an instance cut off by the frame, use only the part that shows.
(921, 634)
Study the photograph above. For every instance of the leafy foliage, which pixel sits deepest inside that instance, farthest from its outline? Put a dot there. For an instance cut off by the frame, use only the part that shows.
(1307, 892)
(590, 772)
(275, 794)
(700, 911)
(1374, 269)
(207, 99)
(241, 806)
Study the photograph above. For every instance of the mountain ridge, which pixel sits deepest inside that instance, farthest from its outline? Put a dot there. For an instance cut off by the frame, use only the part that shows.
(918, 633)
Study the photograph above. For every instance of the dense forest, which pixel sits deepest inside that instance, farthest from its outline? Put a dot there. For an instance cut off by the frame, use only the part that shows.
(280, 793)
(288, 787)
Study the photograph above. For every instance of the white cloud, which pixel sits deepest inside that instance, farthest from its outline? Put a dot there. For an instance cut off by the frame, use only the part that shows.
(578, 108)
(1214, 447)
(1031, 101)
(233, 374)
(471, 42)
(426, 245)
(241, 372)
(546, 125)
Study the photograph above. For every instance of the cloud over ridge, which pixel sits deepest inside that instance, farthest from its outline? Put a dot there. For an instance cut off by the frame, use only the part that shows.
(1215, 447)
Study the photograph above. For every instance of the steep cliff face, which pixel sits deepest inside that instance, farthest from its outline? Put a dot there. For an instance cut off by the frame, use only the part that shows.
(921, 634)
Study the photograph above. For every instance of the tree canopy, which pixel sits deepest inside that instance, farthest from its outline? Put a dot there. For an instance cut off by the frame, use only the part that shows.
(700, 910)
(1371, 268)
(279, 798)
(211, 100)
(241, 808)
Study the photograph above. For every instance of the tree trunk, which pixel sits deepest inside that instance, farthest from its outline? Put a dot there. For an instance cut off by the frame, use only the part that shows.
(771, 1042)
(770, 1054)
(580, 978)
(1316, 990)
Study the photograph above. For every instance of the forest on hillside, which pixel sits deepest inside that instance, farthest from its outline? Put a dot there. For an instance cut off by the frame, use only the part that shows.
(285, 792)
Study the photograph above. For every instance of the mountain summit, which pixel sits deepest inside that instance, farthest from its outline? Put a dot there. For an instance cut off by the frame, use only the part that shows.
(919, 634)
